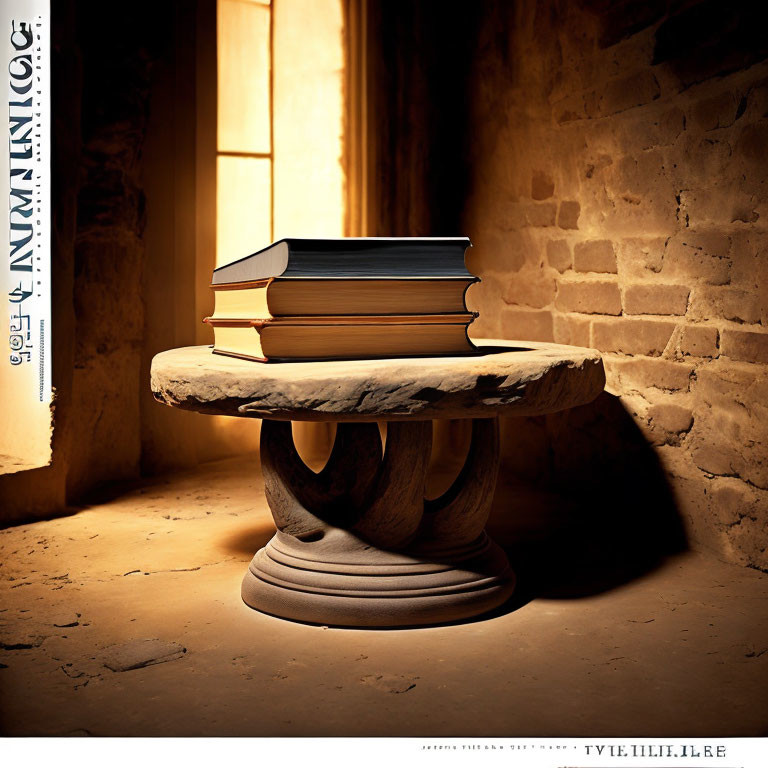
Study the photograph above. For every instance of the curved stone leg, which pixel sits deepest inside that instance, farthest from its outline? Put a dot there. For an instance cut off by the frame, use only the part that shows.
(458, 517)
(357, 545)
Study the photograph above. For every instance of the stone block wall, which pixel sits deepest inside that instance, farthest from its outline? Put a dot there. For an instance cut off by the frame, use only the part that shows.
(619, 200)
(109, 250)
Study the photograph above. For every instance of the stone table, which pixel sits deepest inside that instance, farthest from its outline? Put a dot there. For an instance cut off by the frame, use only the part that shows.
(357, 543)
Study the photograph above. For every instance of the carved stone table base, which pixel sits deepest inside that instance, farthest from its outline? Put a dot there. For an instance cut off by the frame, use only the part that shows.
(357, 543)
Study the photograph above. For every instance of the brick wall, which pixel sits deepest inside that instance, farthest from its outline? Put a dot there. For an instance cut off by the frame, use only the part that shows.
(619, 200)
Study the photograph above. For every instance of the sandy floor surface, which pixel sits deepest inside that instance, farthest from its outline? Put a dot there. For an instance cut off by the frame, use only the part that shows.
(126, 619)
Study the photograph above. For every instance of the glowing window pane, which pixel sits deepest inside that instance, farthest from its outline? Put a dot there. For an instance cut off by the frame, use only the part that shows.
(243, 78)
(243, 207)
(308, 118)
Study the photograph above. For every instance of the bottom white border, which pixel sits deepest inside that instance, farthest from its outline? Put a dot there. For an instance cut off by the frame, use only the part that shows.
(536, 753)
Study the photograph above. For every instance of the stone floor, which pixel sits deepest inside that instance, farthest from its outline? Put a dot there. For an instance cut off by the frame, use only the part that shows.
(153, 575)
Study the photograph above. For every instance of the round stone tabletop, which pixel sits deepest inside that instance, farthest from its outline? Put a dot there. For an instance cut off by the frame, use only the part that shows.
(508, 378)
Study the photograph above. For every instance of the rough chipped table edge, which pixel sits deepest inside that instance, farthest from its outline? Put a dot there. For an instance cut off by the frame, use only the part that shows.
(532, 378)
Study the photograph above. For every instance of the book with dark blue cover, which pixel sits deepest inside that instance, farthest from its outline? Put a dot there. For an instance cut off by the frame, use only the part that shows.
(351, 257)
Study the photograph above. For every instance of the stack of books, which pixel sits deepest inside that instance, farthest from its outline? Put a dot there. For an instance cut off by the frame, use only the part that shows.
(351, 298)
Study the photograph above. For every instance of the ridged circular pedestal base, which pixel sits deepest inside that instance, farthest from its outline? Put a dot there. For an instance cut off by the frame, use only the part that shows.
(342, 581)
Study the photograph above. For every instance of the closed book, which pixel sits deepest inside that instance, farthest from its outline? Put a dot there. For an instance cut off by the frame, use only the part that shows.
(340, 296)
(342, 337)
(349, 257)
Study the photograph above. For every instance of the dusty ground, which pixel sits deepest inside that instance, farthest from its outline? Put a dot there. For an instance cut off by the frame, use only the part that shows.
(681, 651)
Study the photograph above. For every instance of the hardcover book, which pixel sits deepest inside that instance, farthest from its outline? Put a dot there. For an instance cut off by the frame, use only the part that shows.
(351, 257)
(339, 296)
(343, 337)
(350, 298)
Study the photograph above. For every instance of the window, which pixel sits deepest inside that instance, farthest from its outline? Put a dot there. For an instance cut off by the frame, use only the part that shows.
(280, 123)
